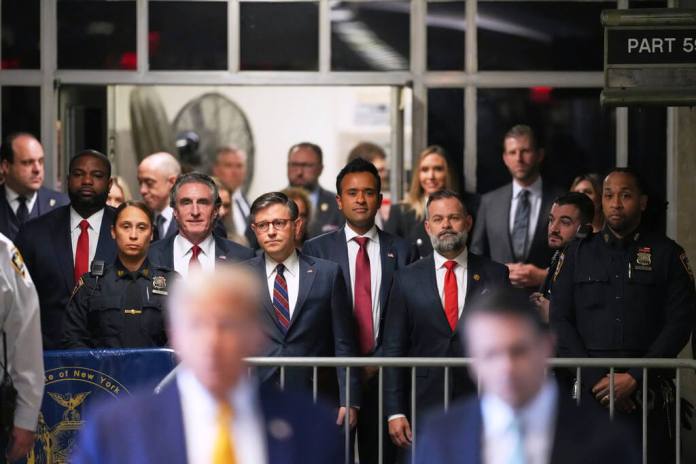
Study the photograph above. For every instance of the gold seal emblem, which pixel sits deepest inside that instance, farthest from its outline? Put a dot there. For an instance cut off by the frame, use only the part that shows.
(159, 285)
(644, 256)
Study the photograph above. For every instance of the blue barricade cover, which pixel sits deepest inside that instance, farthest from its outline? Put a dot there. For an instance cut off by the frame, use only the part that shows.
(76, 380)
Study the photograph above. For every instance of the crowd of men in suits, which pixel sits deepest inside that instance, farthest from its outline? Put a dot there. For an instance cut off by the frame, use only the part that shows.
(354, 290)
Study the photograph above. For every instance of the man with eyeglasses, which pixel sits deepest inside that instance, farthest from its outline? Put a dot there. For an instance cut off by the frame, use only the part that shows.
(427, 299)
(305, 165)
(196, 201)
(306, 309)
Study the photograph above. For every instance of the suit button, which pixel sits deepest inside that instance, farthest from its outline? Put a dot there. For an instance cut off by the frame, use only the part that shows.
(618, 320)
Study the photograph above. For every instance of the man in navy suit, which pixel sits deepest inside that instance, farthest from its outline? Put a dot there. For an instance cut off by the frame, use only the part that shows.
(368, 258)
(305, 165)
(212, 412)
(195, 203)
(60, 246)
(23, 196)
(306, 305)
(427, 298)
(522, 415)
(512, 221)
(157, 174)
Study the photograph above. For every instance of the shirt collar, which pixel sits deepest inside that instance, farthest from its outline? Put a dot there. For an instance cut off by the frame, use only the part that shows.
(371, 234)
(291, 263)
(461, 259)
(184, 246)
(242, 397)
(94, 220)
(611, 239)
(167, 213)
(534, 189)
(122, 272)
(537, 414)
(11, 195)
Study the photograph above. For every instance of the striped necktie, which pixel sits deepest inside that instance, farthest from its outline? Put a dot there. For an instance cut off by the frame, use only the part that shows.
(280, 298)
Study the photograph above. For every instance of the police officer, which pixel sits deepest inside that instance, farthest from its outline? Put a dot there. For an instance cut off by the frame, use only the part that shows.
(123, 304)
(625, 292)
(21, 356)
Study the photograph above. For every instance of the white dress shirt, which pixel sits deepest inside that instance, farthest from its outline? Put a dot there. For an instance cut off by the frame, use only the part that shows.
(538, 419)
(199, 410)
(460, 272)
(291, 274)
(535, 191)
(95, 222)
(168, 216)
(373, 253)
(240, 212)
(183, 253)
(12, 199)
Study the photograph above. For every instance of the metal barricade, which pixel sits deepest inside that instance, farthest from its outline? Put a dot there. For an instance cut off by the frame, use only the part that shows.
(448, 363)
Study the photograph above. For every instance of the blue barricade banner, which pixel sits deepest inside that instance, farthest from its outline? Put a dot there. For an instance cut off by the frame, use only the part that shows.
(76, 380)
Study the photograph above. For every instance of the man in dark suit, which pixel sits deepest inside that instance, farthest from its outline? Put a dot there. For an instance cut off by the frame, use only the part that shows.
(305, 164)
(195, 202)
(512, 221)
(427, 298)
(22, 196)
(213, 411)
(306, 304)
(60, 246)
(522, 415)
(368, 259)
(156, 176)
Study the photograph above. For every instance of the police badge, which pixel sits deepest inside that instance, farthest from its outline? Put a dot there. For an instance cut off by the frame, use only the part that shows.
(159, 285)
(644, 259)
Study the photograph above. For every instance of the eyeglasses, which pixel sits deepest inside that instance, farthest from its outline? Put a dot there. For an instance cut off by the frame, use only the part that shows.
(278, 224)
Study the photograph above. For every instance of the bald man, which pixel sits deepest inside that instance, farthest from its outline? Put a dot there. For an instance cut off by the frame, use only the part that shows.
(23, 196)
(213, 411)
(156, 176)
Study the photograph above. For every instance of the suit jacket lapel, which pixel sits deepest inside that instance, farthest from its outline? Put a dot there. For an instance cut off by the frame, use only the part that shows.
(171, 428)
(106, 247)
(260, 265)
(474, 280)
(306, 277)
(504, 224)
(221, 250)
(540, 233)
(389, 262)
(340, 252)
(62, 246)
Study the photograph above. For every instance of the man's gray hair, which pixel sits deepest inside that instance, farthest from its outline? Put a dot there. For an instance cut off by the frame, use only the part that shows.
(195, 178)
(230, 149)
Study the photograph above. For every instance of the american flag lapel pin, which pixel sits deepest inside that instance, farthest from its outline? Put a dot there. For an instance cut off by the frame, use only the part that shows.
(390, 255)
(222, 257)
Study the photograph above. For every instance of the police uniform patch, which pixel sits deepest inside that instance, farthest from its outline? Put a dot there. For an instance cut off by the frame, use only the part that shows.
(159, 285)
(685, 262)
(18, 263)
(559, 265)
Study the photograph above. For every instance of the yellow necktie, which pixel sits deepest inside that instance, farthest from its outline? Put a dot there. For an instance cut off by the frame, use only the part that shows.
(223, 451)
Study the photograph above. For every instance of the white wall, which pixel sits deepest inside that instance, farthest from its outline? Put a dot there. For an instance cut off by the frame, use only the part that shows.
(333, 117)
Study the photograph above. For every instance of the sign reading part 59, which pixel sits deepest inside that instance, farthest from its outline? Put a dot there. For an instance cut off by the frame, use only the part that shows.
(651, 46)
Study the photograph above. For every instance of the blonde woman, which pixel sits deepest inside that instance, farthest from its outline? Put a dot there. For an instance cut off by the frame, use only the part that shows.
(119, 192)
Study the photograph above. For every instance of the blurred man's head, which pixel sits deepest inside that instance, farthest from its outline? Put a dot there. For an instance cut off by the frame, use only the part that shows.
(304, 210)
(623, 200)
(196, 203)
(509, 344)
(89, 181)
(568, 213)
(447, 223)
(156, 176)
(521, 155)
(357, 194)
(374, 154)
(22, 162)
(305, 164)
(230, 167)
(215, 324)
(276, 223)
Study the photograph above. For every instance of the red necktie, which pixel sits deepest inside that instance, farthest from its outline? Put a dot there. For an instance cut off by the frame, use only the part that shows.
(363, 297)
(82, 251)
(451, 296)
(194, 263)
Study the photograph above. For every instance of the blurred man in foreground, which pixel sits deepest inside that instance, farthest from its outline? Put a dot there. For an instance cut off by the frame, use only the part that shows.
(213, 412)
(521, 416)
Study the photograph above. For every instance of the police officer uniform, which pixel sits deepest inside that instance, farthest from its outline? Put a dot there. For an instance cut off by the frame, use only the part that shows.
(119, 309)
(19, 321)
(632, 297)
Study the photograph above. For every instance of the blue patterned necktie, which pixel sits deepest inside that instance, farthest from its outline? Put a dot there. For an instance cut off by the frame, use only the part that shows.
(280, 298)
(520, 227)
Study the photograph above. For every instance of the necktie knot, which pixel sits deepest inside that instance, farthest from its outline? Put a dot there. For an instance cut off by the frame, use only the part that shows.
(280, 269)
(224, 412)
(524, 193)
(22, 200)
(361, 241)
(195, 251)
(450, 265)
(84, 225)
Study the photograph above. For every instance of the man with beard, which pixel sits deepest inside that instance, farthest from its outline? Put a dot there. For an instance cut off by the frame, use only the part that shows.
(626, 293)
(305, 165)
(60, 246)
(568, 214)
(426, 301)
